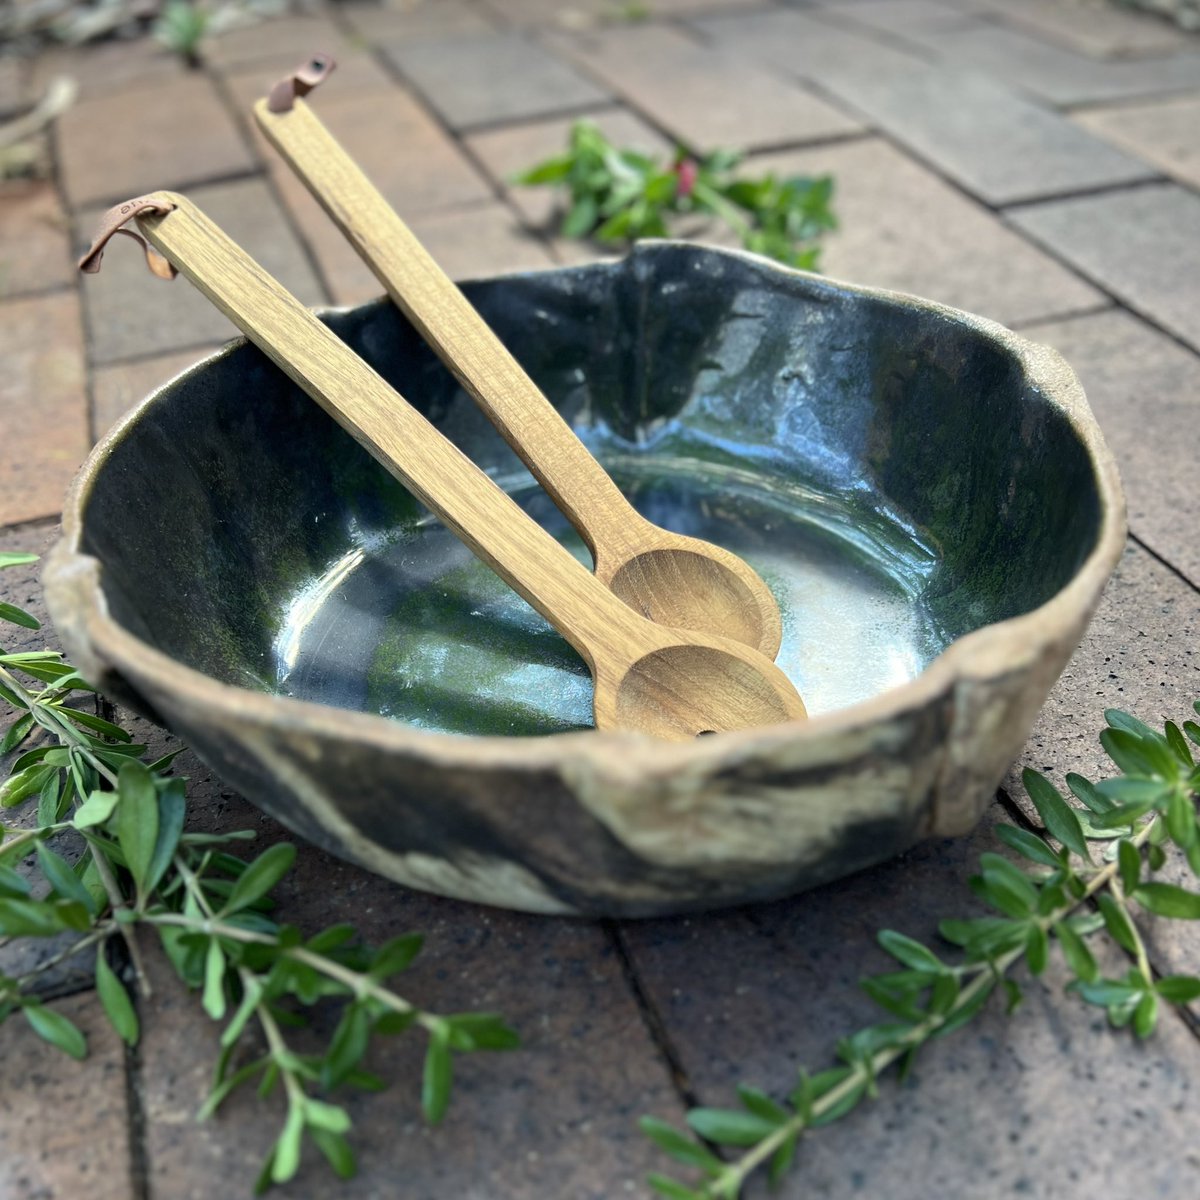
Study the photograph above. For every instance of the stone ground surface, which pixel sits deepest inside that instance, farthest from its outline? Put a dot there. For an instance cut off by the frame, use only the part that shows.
(1032, 160)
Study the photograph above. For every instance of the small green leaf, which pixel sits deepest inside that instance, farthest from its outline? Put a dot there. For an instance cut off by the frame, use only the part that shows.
(331, 1117)
(1145, 1015)
(30, 918)
(1116, 921)
(1130, 862)
(115, 1000)
(18, 616)
(96, 724)
(910, 952)
(214, 980)
(1167, 900)
(1178, 989)
(95, 810)
(16, 733)
(1075, 951)
(671, 1189)
(395, 955)
(51, 1026)
(10, 558)
(435, 1087)
(1036, 949)
(172, 810)
(286, 1155)
(679, 1146)
(62, 879)
(336, 1150)
(137, 819)
(1088, 794)
(261, 876)
(730, 1127)
(1028, 844)
(1057, 815)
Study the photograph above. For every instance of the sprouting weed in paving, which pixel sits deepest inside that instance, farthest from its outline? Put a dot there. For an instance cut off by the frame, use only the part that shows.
(136, 870)
(617, 195)
(1059, 895)
(108, 859)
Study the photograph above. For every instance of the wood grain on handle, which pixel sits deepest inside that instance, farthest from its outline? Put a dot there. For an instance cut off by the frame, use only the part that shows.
(600, 627)
(445, 318)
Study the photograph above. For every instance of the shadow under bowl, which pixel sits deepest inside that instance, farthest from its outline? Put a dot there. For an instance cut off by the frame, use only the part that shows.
(925, 492)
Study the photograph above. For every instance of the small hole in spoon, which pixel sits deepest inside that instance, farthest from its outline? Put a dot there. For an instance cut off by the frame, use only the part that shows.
(706, 733)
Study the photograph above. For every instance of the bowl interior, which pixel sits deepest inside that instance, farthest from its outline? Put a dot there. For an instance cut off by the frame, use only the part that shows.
(886, 468)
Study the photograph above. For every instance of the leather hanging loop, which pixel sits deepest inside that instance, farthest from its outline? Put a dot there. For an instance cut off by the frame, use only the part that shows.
(300, 82)
(111, 224)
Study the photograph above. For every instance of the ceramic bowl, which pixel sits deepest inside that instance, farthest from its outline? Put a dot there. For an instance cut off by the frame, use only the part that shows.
(926, 492)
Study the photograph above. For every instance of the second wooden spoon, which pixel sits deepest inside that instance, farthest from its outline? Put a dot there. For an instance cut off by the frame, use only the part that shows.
(666, 577)
(668, 683)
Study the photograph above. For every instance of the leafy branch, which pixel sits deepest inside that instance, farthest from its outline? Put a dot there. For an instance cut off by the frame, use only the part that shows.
(1060, 894)
(110, 857)
(620, 195)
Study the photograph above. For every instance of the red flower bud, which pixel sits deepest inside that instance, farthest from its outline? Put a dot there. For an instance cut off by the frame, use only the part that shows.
(686, 170)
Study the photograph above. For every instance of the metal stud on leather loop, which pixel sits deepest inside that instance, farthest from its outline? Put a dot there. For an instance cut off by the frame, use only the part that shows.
(111, 223)
(300, 82)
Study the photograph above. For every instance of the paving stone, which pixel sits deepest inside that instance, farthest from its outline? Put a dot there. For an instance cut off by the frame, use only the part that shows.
(902, 227)
(751, 995)
(43, 402)
(1053, 73)
(583, 14)
(506, 152)
(131, 314)
(12, 85)
(35, 250)
(107, 68)
(1163, 133)
(64, 1125)
(405, 155)
(117, 388)
(477, 242)
(989, 140)
(424, 20)
(281, 42)
(702, 96)
(1145, 391)
(121, 145)
(901, 16)
(1142, 244)
(1141, 653)
(1097, 28)
(485, 79)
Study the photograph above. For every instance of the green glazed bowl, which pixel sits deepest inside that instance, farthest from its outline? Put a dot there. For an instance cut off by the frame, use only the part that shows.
(926, 493)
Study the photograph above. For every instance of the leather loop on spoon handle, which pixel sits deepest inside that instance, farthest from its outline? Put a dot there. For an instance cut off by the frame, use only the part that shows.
(576, 482)
(489, 521)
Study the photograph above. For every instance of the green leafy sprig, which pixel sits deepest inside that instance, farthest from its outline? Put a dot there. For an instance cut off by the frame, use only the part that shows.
(617, 195)
(110, 858)
(1059, 894)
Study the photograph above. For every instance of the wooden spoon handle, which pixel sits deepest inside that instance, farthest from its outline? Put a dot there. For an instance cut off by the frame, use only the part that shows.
(461, 337)
(489, 521)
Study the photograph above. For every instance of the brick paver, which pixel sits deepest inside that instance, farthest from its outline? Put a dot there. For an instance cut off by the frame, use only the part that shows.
(1095, 27)
(35, 249)
(1145, 391)
(63, 1124)
(988, 139)
(484, 79)
(1142, 244)
(131, 313)
(967, 106)
(43, 399)
(1163, 133)
(688, 89)
(956, 253)
(120, 145)
(1054, 74)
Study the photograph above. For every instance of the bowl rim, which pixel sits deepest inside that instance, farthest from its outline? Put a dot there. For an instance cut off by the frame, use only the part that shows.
(101, 647)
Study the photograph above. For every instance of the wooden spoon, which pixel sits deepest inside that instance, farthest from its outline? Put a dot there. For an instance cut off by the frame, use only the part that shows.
(671, 579)
(648, 678)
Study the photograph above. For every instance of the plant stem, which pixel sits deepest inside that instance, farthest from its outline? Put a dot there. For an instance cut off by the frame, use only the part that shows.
(729, 1182)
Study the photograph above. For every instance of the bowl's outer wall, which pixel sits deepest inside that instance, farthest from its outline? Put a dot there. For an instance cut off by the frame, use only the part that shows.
(208, 506)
